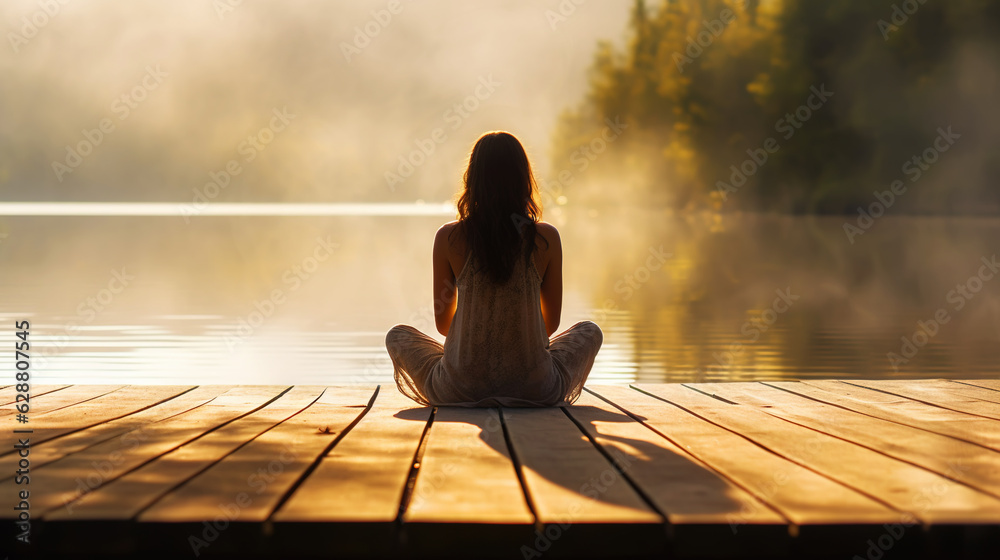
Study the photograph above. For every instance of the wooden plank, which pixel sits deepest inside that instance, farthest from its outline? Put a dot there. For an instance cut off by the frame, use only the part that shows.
(72, 477)
(363, 477)
(127, 495)
(102, 409)
(981, 393)
(913, 390)
(679, 461)
(901, 485)
(950, 388)
(709, 516)
(63, 398)
(684, 488)
(984, 383)
(568, 479)
(799, 494)
(965, 462)
(467, 475)
(467, 489)
(44, 453)
(974, 429)
(8, 395)
(253, 479)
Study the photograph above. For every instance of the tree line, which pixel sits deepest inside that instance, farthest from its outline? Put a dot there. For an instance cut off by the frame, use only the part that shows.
(792, 106)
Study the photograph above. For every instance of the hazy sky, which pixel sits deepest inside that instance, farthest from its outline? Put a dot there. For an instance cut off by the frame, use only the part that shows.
(303, 100)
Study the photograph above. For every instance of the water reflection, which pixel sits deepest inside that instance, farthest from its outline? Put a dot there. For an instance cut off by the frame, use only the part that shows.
(680, 297)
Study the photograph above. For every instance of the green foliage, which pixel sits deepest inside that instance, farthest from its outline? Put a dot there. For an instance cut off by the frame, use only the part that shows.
(701, 82)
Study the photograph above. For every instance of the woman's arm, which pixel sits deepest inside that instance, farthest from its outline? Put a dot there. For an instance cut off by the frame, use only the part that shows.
(552, 281)
(444, 300)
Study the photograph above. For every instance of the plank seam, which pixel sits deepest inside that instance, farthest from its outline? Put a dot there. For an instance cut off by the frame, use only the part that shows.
(54, 390)
(83, 401)
(701, 462)
(109, 420)
(621, 471)
(220, 459)
(37, 394)
(971, 385)
(881, 452)
(319, 458)
(151, 459)
(775, 453)
(140, 426)
(928, 430)
(974, 397)
(716, 397)
(186, 410)
(398, 525)
(519, 471)
(919, 400)
(414, 472)
(80, 402)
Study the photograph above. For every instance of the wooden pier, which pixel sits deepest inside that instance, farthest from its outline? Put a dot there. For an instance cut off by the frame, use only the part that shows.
(803, 469)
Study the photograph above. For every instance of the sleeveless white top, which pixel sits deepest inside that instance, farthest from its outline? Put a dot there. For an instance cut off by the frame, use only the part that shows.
(497, 352)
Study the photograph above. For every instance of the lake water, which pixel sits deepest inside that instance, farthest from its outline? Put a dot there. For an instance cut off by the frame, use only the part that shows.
(307, 300)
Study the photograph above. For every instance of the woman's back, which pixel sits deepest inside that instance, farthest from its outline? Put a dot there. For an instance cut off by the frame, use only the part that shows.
(497, 341)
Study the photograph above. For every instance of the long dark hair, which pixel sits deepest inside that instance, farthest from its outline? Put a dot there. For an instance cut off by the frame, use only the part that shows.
(497, 208)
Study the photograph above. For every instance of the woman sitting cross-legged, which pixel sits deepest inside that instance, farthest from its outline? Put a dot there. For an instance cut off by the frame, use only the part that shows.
(497, 299)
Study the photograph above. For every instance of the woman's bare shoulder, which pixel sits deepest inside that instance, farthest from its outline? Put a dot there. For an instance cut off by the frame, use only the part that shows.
(446, 229)
(548, 232)
(448, 236)
(547, 227)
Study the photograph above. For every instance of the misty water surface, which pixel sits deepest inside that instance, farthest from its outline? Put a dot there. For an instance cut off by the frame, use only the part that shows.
(679, 297)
